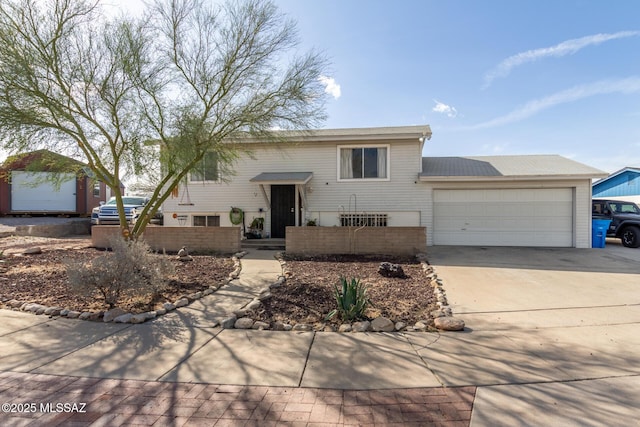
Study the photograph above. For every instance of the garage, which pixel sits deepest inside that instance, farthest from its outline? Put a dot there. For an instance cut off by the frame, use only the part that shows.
(504, 217)
(36, 192)
(536, 200)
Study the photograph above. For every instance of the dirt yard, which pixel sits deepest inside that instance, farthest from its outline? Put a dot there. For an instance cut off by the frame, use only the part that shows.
(306, 297)
(42, 278)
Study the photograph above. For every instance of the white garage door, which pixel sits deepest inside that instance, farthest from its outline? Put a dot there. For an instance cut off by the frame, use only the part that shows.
(31, 192)
(504, 217)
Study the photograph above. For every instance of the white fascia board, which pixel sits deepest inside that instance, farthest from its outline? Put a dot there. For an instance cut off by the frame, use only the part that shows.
(410, 133)
(505, 178)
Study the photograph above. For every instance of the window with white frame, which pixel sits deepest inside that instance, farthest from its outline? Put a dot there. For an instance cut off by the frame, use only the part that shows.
(206, 169)
(206, 220)
(363, 162)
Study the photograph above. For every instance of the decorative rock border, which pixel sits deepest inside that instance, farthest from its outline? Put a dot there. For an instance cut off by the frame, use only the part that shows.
(443, 317)
(117, 315)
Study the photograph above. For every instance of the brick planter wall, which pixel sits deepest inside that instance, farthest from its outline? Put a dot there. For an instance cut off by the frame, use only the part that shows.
(351, 240)
(196, 239)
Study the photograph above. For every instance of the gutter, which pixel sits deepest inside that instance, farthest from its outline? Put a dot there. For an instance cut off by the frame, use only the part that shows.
(505, 178)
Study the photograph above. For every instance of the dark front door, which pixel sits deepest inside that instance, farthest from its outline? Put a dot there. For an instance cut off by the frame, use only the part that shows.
(283, 209)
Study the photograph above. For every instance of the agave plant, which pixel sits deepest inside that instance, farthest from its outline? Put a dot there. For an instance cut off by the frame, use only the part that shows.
(351, 299)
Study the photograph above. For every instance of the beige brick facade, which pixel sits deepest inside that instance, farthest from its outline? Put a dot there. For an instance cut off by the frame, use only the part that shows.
(353, 240)
(171, 239)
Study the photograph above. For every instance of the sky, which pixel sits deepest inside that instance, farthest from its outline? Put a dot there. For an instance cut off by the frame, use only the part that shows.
(491, 77)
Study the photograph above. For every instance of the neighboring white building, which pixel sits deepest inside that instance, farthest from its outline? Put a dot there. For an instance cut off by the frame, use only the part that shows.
(378, 177)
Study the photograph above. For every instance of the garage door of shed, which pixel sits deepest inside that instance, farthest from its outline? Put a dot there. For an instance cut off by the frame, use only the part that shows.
(42, 192)
(504, 217)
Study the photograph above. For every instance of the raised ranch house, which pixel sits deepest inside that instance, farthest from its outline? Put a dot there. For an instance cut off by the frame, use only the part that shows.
(377, 178)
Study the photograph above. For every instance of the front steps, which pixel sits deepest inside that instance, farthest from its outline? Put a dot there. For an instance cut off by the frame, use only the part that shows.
(263, 244)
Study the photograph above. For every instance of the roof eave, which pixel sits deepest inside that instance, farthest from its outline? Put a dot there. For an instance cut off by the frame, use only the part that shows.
(615, 174)
(400, 133)
(507, 178)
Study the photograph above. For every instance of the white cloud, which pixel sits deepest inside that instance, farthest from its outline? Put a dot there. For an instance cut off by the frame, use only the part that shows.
(330, 86)
(568, 47)
(495, 148)
(603, 87)
(444, 109)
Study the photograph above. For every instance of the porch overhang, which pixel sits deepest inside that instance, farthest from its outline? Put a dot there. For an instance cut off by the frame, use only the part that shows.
(282, 178)
(299, 179)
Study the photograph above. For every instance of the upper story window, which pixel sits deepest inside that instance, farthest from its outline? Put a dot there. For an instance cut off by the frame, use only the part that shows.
(363, 162)
(207, 169)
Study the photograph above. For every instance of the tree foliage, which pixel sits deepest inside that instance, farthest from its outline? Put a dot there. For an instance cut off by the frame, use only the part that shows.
(120, 92)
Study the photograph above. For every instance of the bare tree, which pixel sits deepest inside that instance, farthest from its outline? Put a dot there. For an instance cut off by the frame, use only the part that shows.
(185, 79)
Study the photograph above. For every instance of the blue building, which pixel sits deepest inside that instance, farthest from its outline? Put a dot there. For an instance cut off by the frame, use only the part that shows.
(621, 185)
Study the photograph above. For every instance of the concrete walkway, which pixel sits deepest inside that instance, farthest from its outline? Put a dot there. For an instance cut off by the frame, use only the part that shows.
(537, 348)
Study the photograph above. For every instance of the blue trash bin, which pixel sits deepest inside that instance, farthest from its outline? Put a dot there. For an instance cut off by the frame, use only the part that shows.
(599, 229)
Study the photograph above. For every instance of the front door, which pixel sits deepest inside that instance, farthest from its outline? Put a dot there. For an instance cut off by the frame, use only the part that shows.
(283, 209)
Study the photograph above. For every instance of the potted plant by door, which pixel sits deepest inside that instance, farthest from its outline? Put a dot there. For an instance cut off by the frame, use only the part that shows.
(255, 228)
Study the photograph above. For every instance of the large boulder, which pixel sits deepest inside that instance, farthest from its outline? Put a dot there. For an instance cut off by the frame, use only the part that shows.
(228, 322)
(124, 318)
(382, 324)
(36, 250)
(388, 269)
(363, 326)
(112, 314)
(345, 327)
(449, 324)
(243, 323)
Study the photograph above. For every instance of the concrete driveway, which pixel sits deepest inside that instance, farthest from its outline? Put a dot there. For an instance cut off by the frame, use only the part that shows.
(498, 288)
(553, 334)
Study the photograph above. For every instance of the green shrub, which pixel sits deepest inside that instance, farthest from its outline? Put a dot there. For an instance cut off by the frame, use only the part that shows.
(130, 270)
(352, 299)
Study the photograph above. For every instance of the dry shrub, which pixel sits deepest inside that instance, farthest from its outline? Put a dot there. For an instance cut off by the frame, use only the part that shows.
(131, 270)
